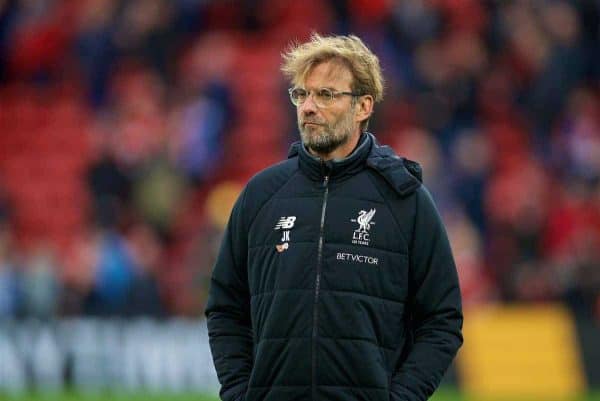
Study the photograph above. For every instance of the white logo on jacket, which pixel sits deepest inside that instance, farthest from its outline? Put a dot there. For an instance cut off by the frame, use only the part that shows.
(352, 257)
(364, 220)
(285, 223)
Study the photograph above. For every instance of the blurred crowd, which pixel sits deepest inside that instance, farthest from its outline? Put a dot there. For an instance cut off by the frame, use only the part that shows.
(127, 128)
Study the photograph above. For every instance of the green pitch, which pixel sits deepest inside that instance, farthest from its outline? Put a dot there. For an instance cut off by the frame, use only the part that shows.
(106, 396)
(441, 395)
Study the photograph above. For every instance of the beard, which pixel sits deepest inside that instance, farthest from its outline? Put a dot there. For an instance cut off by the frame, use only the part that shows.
(325, 138)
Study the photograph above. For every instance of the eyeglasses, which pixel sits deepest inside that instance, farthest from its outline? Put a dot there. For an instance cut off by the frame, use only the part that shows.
(322, 97)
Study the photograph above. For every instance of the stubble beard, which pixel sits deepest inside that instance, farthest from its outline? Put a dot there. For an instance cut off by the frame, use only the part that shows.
(324, 139)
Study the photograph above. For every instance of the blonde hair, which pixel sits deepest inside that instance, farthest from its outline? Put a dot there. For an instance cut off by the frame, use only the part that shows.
(299, 60)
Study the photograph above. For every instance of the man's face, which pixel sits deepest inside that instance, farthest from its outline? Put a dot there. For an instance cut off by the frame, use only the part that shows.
(324, 129)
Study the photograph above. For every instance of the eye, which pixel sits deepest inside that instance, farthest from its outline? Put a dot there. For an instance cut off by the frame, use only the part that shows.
(324, 94)
(298, 94)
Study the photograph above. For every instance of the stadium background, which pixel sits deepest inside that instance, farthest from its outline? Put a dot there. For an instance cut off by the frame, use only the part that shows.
(128, 127)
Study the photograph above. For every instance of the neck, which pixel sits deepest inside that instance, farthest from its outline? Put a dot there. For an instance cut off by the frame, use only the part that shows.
(340, 152)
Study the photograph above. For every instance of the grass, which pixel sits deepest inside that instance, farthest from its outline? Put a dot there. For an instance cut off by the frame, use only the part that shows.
(444, 394)
(107, 396)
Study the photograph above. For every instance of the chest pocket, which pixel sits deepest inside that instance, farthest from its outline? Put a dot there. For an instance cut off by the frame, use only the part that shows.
(365, 251)
(282, 245)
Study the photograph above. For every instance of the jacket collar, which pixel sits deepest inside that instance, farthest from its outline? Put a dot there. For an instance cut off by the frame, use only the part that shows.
(403, 175)
(316, 168)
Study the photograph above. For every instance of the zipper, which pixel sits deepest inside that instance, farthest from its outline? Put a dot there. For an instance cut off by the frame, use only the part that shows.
(317, 287)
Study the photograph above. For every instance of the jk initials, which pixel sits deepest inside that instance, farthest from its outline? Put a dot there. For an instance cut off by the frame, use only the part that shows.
(286, 236)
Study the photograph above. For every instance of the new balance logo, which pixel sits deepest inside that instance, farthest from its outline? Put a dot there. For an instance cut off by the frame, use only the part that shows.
(285, 223)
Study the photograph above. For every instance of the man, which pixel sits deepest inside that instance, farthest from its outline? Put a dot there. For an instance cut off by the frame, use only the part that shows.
(335, 280)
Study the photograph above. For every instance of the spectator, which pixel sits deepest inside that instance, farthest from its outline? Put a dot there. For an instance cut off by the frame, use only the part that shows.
(113, 275)
(144, 298)
(10, 295)
(40, 284)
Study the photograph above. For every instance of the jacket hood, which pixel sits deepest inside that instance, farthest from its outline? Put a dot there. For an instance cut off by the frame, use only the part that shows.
(403, 175)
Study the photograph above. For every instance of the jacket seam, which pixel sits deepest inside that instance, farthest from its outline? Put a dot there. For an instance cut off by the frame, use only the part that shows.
(370, 247)
(365, 340)
(320, 385)
(269, 199)
(270, 245)
(412, 242)
(387, 204)
(360, 294)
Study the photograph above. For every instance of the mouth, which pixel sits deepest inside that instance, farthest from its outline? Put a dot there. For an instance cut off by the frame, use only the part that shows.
(310, 123)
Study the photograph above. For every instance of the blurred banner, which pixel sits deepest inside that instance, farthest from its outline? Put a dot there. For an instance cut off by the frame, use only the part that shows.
(536, 351)
(521, 351)
(90, 354)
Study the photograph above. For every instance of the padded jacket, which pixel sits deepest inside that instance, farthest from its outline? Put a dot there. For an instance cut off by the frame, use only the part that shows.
(335, 281)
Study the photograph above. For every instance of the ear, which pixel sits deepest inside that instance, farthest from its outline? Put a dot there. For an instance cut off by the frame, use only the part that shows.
(364, 108)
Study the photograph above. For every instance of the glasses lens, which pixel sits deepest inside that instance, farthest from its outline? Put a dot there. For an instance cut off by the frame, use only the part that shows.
(323, 97)
(298, 96)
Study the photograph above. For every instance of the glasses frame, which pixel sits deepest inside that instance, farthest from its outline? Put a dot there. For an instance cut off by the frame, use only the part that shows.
(334, 95)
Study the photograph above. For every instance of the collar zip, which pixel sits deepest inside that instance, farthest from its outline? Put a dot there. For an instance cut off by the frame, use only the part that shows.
(326, 168)
(317, 169)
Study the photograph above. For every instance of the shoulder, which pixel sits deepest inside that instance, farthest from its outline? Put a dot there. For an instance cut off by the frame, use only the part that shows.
(273, 177)
(265, 184)
(404, 176)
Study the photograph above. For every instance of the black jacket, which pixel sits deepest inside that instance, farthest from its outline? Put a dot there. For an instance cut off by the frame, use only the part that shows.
(359, 300)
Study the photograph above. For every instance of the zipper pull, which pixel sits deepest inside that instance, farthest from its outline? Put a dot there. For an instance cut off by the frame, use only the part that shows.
(325, 181)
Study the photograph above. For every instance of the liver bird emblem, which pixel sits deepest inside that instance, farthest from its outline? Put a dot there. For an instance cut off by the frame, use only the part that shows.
(364, 220)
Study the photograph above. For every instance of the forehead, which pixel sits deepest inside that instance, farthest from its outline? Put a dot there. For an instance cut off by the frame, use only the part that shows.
(330, 74)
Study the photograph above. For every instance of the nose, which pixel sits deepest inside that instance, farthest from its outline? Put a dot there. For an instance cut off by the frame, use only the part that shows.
(308, 107)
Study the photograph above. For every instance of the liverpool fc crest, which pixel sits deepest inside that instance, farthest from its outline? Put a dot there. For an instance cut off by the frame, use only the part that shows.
(364, 220)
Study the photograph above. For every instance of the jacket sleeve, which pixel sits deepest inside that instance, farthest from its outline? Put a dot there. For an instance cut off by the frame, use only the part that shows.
(435, 307)
(228, 310)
